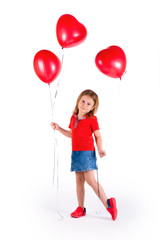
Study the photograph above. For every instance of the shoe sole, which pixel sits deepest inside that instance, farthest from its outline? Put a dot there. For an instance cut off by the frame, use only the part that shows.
(78, 216)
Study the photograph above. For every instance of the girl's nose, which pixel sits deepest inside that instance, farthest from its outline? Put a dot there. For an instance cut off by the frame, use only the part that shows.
(85, 105)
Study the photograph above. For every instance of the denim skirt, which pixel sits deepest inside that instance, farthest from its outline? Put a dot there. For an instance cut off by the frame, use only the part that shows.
(83, 161)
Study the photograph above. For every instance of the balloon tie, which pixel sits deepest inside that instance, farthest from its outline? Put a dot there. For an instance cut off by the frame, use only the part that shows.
(123, 75)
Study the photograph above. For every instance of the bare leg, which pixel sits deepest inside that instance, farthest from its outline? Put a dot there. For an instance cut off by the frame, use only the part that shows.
(90, 179)
(80, 180)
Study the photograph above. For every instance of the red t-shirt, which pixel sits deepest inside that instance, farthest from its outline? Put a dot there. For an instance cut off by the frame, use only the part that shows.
(82, 130)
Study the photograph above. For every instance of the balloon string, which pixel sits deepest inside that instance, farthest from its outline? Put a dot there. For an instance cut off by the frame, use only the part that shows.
(52, 105)
(108, 137)
(56, 155)
(98, 212)
(52, 108)
(57, 88)
(110, 129)
(54, 164)
(56, 91)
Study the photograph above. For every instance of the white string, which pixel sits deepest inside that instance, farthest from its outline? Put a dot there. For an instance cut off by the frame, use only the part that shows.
(56, 160)
(52, 106)
(108, 137)
(110, 128)
(57, 88)
(56, 155)
(59, 215)
(98, 211)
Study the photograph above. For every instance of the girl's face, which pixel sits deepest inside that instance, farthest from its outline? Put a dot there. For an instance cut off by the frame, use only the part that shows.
(85, 104)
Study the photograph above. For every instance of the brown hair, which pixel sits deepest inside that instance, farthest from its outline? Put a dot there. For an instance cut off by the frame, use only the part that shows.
(94, 97)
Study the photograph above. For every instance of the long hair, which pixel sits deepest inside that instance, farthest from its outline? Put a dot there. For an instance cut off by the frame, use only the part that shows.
(94, 97)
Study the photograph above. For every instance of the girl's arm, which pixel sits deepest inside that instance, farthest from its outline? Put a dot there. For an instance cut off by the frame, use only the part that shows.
(98, 139)
(67, 133)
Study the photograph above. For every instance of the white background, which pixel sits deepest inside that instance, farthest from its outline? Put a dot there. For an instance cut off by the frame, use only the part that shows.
(130, 172)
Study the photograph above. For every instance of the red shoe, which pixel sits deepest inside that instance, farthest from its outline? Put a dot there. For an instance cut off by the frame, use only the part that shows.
(113, 209)
(79, 212)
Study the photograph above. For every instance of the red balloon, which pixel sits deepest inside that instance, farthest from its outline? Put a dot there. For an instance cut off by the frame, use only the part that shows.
(46, 65)
(69, 31)
(111, 61)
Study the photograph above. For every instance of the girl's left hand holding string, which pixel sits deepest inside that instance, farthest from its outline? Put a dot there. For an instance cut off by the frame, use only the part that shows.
(102, 153)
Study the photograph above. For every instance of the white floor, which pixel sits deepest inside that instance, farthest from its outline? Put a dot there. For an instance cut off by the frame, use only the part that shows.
(29, 210)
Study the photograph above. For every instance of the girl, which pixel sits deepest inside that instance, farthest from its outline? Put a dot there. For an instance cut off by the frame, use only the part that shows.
(83, 125)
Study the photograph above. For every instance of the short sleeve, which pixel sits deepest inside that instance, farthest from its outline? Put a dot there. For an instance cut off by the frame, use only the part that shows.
(94, 124)
(70, 122)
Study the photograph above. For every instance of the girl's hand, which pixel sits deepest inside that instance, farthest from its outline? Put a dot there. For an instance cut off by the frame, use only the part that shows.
(55, 126)
(102, 153)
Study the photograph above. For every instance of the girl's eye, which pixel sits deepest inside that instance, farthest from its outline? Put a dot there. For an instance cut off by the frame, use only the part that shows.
(88, 104)
(83, 101)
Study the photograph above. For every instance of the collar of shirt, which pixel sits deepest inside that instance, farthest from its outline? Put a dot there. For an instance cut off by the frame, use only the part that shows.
(77, 120)
(75, 115)
(86, 116)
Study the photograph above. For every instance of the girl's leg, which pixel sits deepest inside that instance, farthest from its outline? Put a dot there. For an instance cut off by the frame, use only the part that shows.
(90, 179)
(80, 180)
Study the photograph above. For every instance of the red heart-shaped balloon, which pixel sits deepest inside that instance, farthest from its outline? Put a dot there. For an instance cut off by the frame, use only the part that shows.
(111, 61)
(46, 65)
(70, 32)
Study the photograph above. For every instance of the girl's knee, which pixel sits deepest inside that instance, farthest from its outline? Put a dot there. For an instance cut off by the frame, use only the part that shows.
(91, 181)
(80, 178)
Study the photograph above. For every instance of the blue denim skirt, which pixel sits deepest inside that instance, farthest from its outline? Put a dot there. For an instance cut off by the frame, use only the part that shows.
(83, 161)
